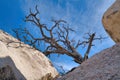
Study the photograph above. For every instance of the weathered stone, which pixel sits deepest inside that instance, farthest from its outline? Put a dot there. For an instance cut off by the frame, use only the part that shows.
(111, 21)
(102, 66)
(24, 62)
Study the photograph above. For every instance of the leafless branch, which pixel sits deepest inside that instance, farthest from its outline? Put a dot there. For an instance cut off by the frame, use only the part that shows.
(57, 38)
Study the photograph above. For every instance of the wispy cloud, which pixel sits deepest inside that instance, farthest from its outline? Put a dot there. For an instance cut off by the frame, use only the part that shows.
(82, 15)
(73, 11)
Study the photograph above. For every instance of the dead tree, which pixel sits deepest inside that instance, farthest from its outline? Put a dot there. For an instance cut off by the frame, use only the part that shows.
(57, 38)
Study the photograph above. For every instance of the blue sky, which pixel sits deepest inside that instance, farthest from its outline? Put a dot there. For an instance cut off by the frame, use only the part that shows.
(82, 15)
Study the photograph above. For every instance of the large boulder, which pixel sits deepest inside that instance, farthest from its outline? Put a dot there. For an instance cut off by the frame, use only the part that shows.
(19, 61)
(102, 66)
(111, 21)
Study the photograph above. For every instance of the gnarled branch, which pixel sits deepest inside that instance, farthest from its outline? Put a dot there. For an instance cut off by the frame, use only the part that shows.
(57, 38)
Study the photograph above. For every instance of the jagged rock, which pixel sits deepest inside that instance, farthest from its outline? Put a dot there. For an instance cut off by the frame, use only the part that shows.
(102, 66)
(111, 21)
(22, 61)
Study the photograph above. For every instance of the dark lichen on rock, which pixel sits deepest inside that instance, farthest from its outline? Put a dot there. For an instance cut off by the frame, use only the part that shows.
(6, 73)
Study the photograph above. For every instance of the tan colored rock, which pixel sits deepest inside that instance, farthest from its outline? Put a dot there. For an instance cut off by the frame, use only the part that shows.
(102, 66)
(25, 62)
(111, 21)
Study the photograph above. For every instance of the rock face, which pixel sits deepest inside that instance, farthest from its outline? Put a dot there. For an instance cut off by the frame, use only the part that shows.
(102, 66)
(111, 21)
(19, 61)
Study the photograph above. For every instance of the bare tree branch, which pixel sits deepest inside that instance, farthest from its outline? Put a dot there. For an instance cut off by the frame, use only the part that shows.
(57, 38)
(89, 46)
